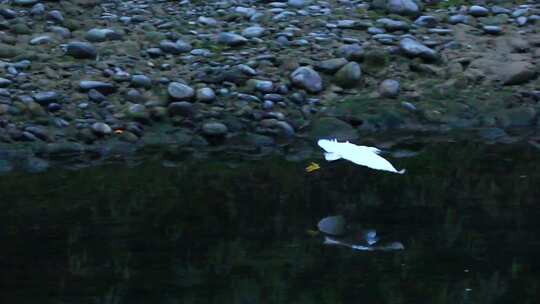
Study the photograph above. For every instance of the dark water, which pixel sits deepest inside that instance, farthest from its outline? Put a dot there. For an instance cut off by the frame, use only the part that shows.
(209, 231)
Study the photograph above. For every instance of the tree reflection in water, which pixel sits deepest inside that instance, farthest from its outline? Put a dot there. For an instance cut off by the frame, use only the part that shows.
(211, 232)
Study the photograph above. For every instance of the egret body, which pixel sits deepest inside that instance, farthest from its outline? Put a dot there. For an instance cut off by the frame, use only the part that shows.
(360, 155)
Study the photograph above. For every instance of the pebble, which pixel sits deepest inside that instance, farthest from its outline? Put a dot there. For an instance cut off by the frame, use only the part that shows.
(180, 91)
(308, 79)
(478, 11)
(214, 129)
(205, 95)
(389, 88)
(492, 29)
(413, 48)
(81, 50)
(231, 39)
(101, 128)
(100, 86)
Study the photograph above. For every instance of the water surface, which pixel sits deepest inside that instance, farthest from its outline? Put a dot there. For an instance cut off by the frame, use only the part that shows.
(229, 231)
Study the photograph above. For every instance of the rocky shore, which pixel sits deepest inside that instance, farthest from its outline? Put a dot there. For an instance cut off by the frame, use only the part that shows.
(82, 74)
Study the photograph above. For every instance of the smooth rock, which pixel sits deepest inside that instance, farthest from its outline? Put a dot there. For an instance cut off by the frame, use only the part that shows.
(253, 32)
(331, 66)
(180, 108)
(349, 75)
(141, 81)
(101, 128)
(205, 95)
(44, 98)
(492, 29)
(478, 11)
(214, 129)
(100, 86)
(403, 7)
(308, 79)
(231, 39)
(413, 48)
(81, 50)
(101, 35)
(180, 91)
(389, 88)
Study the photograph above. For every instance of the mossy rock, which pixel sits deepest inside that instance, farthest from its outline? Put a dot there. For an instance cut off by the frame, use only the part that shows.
(72, 24)
(375, 61)
(7, 51)
(21, 29)
(331, 127)
(517, 117)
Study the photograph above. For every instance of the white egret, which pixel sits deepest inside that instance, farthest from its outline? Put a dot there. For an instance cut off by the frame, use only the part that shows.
(361, 155)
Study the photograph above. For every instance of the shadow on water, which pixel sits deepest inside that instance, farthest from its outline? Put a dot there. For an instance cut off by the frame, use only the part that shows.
(201, 231)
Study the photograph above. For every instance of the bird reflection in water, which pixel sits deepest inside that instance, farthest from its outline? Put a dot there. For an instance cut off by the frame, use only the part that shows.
(335, 232)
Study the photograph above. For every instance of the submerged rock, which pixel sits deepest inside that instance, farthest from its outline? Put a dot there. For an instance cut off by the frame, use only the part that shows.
(333, 225)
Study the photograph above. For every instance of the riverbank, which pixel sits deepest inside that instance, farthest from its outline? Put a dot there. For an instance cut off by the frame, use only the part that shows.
(91, 75)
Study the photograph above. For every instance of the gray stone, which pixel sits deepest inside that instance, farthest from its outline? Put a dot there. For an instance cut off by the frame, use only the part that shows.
(499, 10)
(178, 47)
(331, 66)
(208, 21)
(308, 79)
(231, 39)
(138, 112)
(8, 13)
(426, 21)
(205, 95)
(478, 11)
(101, 128)
(44, 98)
(516, 73)
(38, 9)
(25, 2)
(389, 88)
(253, 32)
(141, 81)
(214, 129)
(264, 86)
(39, 40)
(492, 29)
(100, 35)
(353, 24)
(521, 21)
(180, 91)
(81, 50)
(413, 48)
(100, 86)
(455, 19)
(403, 7)
(55, 16)
(393, 25)
(180, 108)
(298, 3)
(351, 52)
(5, 82)
(60, 31)
(349, 75)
